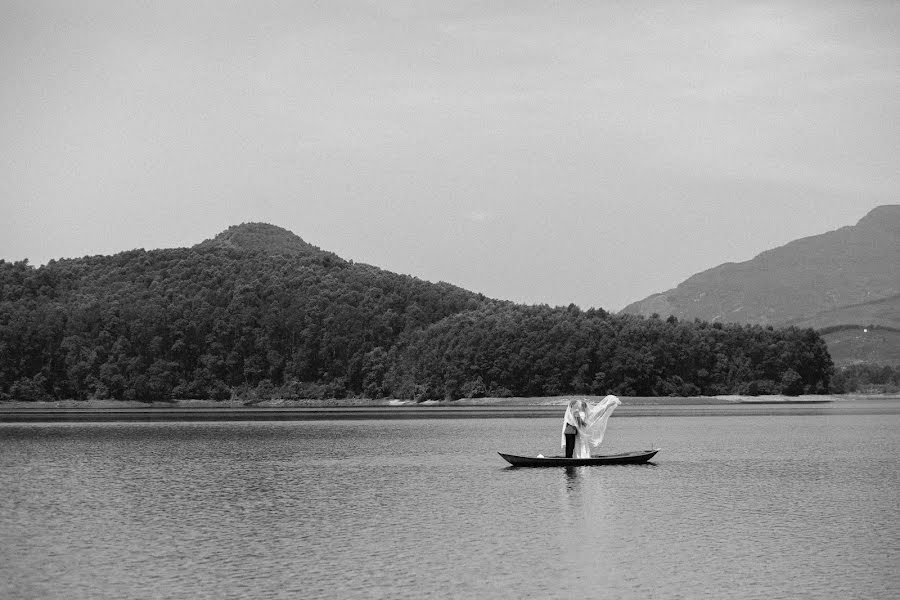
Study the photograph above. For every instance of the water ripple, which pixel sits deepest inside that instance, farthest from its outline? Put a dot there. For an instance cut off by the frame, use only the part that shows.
(738, 507)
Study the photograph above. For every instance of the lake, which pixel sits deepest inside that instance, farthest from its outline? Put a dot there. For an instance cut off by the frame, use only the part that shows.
(737, 506)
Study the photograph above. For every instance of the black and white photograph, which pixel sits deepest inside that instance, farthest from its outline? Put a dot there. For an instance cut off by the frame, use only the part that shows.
(401, 300)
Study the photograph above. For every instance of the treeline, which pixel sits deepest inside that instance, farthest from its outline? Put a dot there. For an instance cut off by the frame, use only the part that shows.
(866, 378)
(258, 313)
(542, 351)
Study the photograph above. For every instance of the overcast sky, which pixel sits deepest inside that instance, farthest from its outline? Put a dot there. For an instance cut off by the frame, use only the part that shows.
(543, 152)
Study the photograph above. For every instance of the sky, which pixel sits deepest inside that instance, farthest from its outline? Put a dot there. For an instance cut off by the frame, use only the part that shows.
(543, 152)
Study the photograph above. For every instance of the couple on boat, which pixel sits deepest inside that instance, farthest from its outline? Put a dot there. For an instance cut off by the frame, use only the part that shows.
(585, 424)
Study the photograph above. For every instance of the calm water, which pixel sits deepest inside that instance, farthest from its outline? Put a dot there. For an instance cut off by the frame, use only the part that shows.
(739, 507)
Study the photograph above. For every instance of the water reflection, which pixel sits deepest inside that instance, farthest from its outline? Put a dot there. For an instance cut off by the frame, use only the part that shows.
(580, 489)
(572, 475)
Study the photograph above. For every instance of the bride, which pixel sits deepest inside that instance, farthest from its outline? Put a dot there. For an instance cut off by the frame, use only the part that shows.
(585, 424)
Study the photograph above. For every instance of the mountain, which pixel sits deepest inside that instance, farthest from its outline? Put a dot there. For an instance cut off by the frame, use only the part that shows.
(836, 278)
(860, 333)
(258, 313)
(884, 314)
(254, 304)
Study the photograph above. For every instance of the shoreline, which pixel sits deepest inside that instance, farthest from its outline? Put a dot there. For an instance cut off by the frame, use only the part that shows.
(90, 412)
(724, 400)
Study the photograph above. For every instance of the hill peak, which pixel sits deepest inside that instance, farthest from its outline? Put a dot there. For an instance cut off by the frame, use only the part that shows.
(259, 237)
(886, 216)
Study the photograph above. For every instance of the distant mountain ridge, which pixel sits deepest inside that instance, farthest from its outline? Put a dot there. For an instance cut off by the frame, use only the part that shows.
(811, 281)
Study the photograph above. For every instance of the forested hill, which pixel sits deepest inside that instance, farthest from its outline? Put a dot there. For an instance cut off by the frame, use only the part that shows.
(257, 312)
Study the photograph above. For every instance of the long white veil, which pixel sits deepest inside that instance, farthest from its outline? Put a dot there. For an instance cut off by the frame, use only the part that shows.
(591, 425)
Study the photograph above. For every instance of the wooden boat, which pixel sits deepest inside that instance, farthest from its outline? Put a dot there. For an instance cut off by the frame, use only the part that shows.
(625, 458)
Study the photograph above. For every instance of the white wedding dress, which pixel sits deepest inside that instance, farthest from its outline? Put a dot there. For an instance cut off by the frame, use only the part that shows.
(590, 434)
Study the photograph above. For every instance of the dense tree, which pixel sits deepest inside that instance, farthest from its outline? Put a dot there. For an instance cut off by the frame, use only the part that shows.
(257, 311)
(534, 351)
(867, 378)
